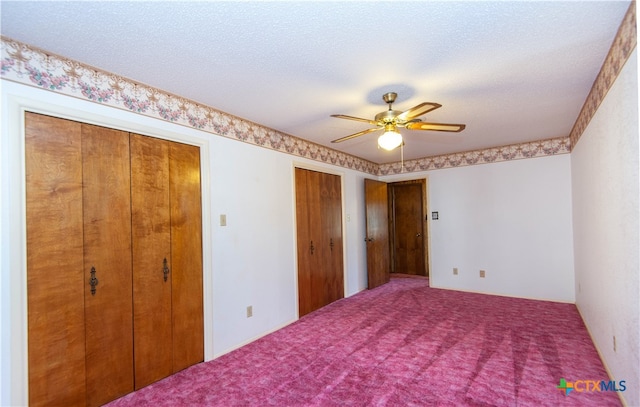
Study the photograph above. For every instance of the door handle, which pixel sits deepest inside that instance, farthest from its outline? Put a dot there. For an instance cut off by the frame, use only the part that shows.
(93, 281)
(418, 234)
(165, 269)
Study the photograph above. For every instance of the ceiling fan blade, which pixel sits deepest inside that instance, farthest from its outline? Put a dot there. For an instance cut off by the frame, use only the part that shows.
(344, 116)
(418, 110)
(436, 126)
(358, 134)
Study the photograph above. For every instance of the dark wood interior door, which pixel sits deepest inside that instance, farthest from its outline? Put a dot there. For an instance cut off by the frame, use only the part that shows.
(377, 233)
(107, 250)
(55, 279)
(408, 228)
(186, 255)
(151, 232)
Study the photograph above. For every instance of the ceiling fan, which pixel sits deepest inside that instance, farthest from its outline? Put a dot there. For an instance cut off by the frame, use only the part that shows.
(390, 120)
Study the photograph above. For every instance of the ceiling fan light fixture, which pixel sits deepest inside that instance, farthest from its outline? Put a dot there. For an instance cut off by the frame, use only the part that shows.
(390, 120)
(390, 139)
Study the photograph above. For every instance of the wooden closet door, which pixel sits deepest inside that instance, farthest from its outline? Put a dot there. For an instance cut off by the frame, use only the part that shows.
(151, 239)
(319, 253)
(107, 250)
(186, 255)
(311, 250)
(55, 280)
(331, 269)
(304, 252)
(319, 239)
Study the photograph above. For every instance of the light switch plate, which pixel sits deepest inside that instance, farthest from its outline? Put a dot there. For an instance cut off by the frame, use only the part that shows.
(223, 220)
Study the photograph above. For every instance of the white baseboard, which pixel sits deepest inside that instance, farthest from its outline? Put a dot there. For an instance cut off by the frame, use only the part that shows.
(253, 339)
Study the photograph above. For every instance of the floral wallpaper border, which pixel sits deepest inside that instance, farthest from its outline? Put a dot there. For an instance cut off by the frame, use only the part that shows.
(531, 149)
(623, 45)
(35, 67)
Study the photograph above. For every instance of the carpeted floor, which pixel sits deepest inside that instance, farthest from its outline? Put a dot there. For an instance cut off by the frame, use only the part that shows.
(402, 344)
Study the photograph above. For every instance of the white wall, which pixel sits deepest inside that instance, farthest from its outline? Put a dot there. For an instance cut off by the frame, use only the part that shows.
(511, 219)
(251, 261)
(605, 209)
(254, 256)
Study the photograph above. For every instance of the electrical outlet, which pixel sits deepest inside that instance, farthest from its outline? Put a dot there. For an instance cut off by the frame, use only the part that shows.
(455, 271)
(249, 311)
(482, 272)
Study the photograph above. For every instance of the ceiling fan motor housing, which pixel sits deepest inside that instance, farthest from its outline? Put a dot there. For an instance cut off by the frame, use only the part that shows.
(388, 116)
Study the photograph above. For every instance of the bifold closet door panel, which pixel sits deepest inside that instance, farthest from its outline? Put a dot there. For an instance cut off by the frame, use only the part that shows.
(321, 273)
(151, 239)
(186, 255)
(332, 232)
(303, 242)
(312, 251)
(320, 251)
(107, 259)
(55, 280)
(319, 239)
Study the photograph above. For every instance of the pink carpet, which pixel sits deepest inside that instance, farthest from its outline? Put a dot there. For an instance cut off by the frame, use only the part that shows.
(402, 344)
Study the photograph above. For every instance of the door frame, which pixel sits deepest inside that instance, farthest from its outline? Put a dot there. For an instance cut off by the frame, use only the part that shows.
(425, 225)
(328, 170)
(13, 254)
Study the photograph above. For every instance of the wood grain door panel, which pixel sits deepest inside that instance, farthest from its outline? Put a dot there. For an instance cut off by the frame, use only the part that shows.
(151, 233)
(332, 236)
(324, 272)
(186, 255)
(55, 280)
(377, 232)
(303, 243)
(107, 249)
(311, 293)
(408, 228)
(120, 204)
(319, 239)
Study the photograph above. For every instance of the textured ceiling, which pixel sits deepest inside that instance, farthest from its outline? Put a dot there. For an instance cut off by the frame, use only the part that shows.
(512, 71)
